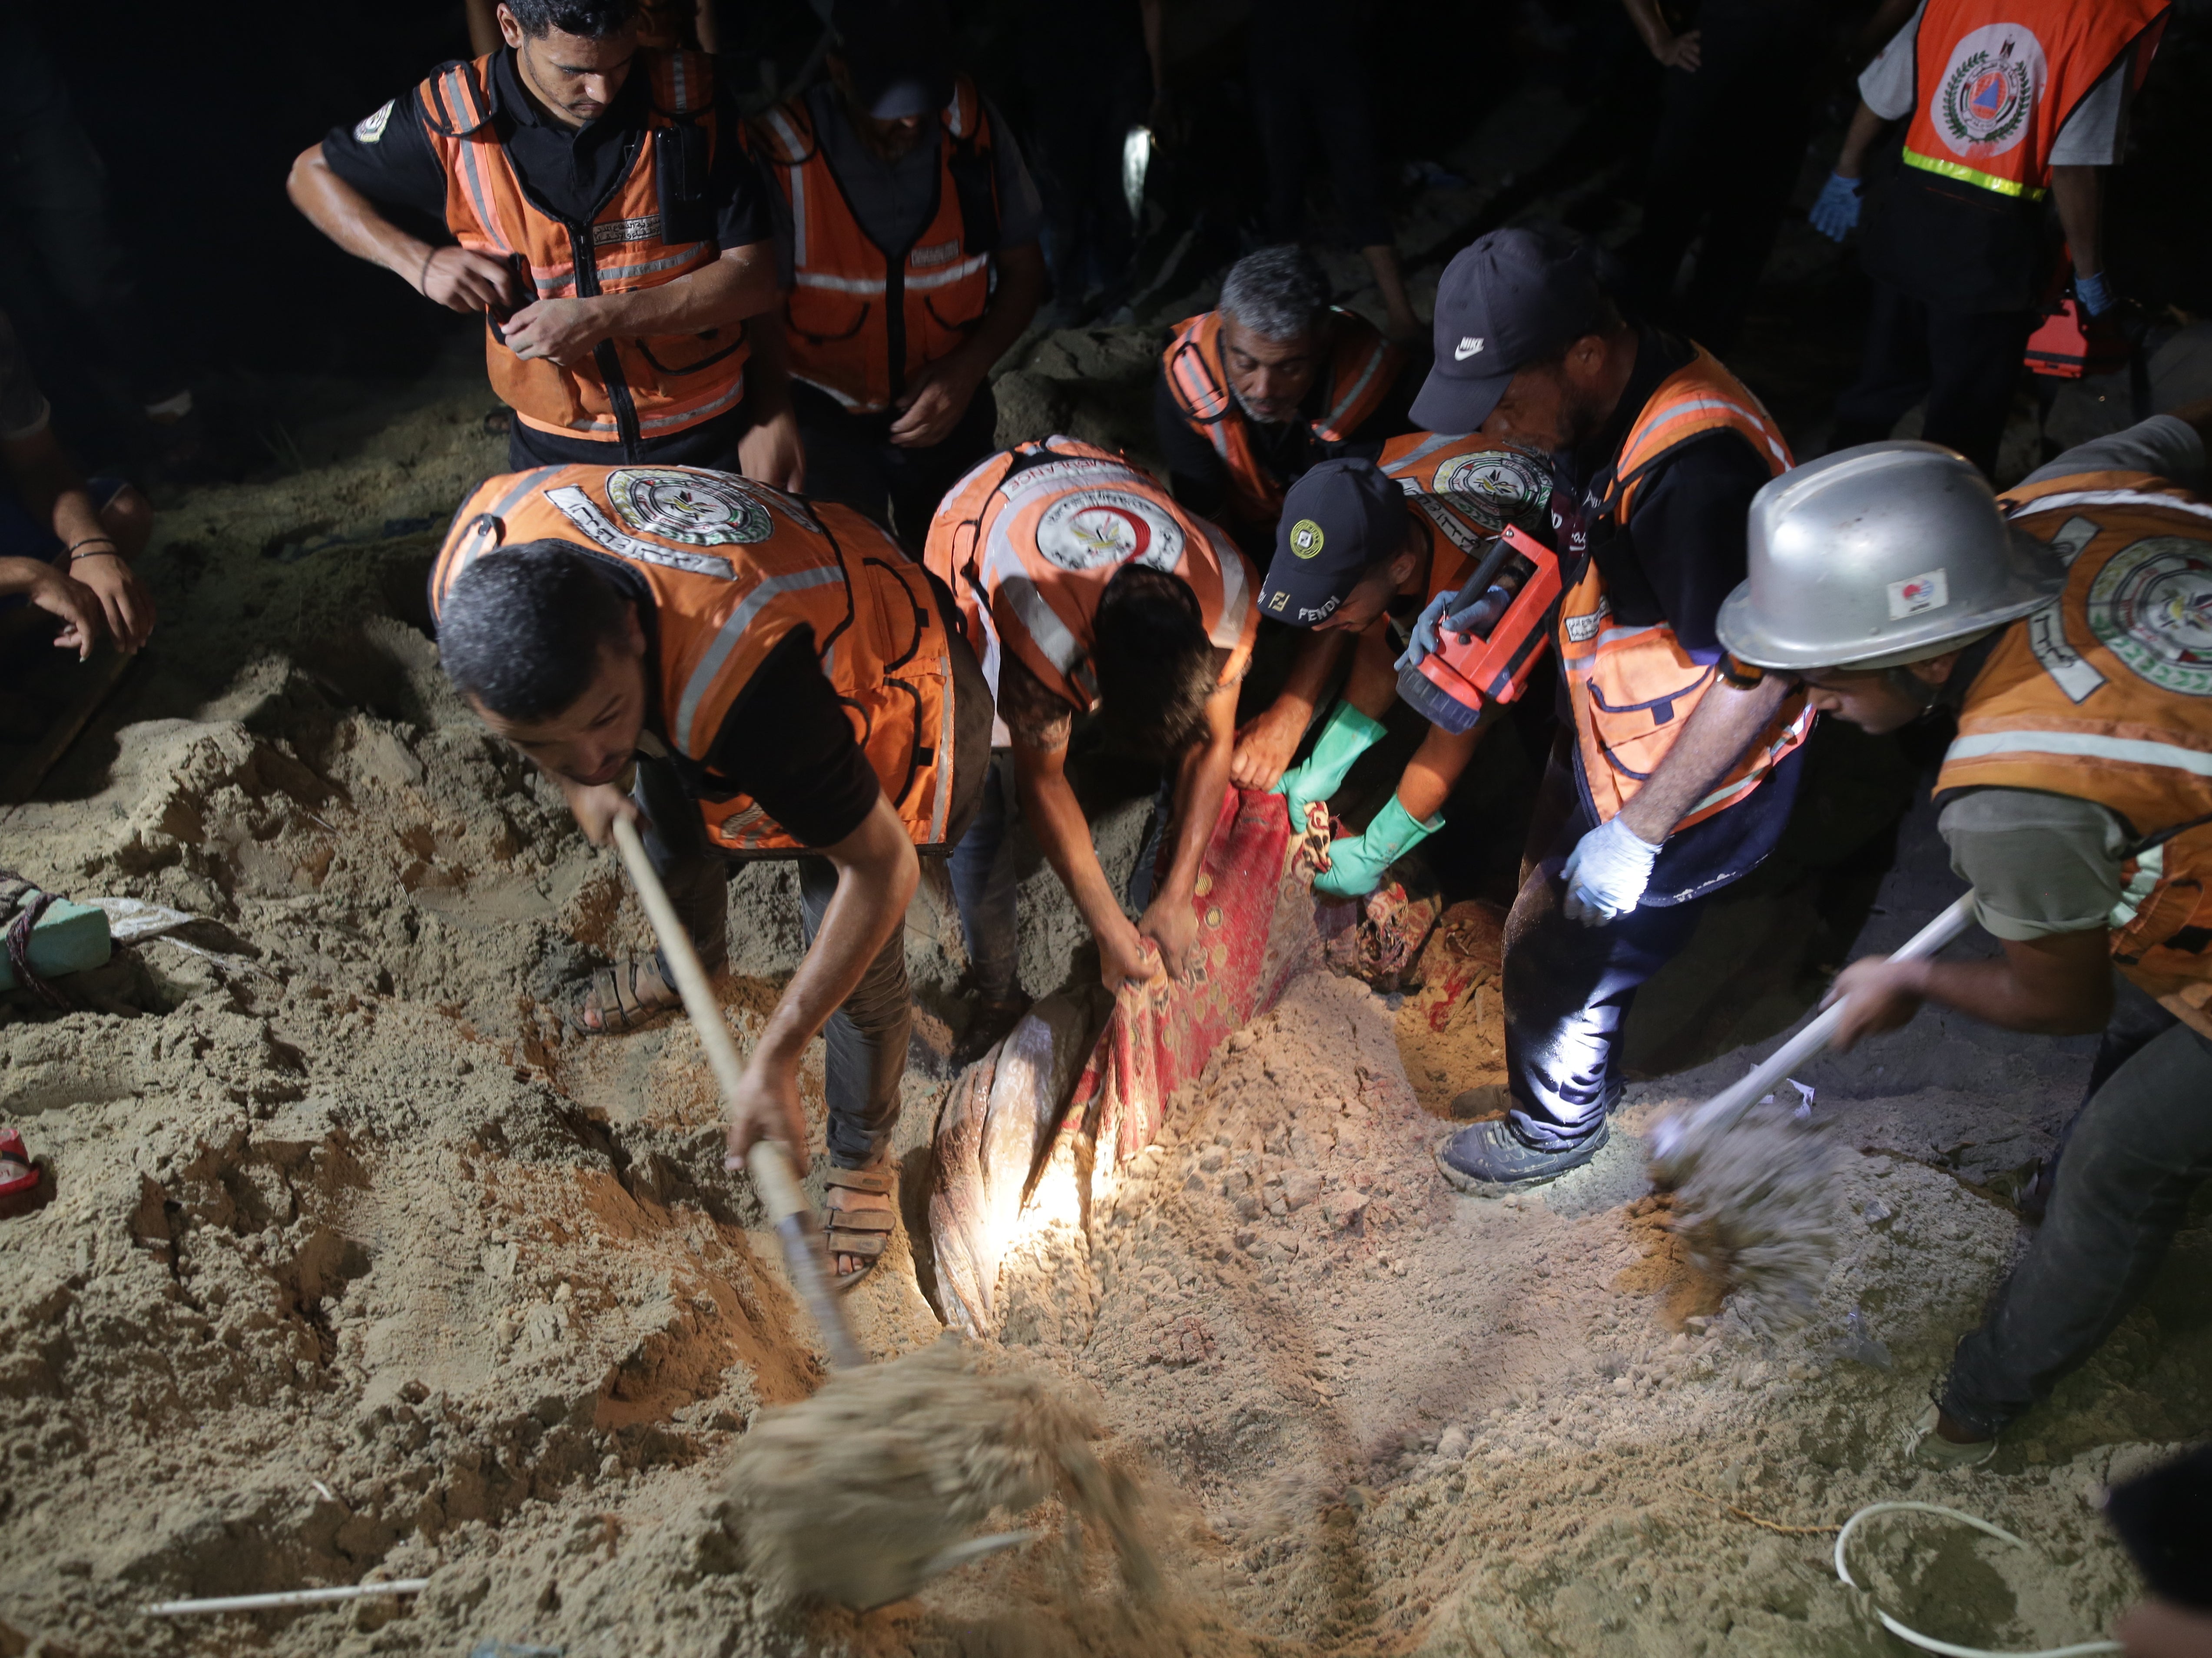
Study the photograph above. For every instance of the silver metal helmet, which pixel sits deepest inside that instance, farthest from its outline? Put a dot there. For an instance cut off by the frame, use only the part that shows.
(1878, 555)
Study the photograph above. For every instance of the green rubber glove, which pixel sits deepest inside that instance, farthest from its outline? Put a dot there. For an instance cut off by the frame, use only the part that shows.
(1348, 734)
(1356, 866)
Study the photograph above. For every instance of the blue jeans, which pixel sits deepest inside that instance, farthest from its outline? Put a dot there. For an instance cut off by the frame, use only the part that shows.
(985, 885)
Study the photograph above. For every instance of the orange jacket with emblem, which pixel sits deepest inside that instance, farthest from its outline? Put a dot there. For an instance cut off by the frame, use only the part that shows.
(1634, 689)
(1994, 80)
(2107, 695)
(1469, 488)
(860, 320)
(1361, 368)
(1027, 541)
(733, 566)
(653, 228)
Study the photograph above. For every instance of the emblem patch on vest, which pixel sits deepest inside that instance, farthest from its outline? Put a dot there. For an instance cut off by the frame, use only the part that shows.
(1493, 489)
(370, 128)
(1989, 90)
(1092, 527)
(2152, 607)
(700, 509)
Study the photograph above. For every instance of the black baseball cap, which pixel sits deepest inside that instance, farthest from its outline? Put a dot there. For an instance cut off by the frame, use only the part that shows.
(1513, 298)
(899, 53)
(1340, 520)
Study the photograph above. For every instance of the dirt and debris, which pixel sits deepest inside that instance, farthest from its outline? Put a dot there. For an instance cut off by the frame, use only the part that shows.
(353, 1263)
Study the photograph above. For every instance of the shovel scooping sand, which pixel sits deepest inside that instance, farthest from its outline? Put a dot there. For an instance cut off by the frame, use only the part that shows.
(875, 1484)
(1754, 1192)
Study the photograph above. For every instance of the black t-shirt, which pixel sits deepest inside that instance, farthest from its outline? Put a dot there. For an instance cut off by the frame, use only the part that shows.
(1682, 552)
(568, 171)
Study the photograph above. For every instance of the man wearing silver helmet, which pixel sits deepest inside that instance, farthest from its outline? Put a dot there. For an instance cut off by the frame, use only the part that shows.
(2067, 627)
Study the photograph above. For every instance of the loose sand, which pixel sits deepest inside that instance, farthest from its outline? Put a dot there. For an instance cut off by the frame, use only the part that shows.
(351, 1265)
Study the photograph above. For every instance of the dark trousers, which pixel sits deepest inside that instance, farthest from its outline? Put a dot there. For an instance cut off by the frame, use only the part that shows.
(1966, 363)
(866, 1037)
(1568, 990)
(1308, 80)
(851, 458)
(985, 886)
(712, 444)
(1723, 163)
(55, 219)
(2134, 1157)
(1076, 147)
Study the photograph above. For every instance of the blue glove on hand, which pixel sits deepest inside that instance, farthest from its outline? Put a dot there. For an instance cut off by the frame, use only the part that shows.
(1607, 873)
(1477, 618)
(1836, 214)
(2095, 294)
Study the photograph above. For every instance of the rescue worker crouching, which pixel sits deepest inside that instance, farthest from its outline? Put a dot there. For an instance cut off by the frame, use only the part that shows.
(2063, 626)
(1086, 589)
(785, 682)
(910, 233)
(1272, 380)
(1675, 776)
(1357, 556)
(607, 225)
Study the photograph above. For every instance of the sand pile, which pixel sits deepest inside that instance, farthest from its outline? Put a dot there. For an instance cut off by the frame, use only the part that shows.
(353, 1263)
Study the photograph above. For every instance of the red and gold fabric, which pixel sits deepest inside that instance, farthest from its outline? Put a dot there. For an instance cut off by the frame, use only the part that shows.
(1633, 689)
(1361, 368)
(733, 566)
(861, 319)
(2106, 694)
(629, 390)
(1027, 541)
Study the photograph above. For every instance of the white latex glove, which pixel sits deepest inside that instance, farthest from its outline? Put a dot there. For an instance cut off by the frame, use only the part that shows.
(1607, 873)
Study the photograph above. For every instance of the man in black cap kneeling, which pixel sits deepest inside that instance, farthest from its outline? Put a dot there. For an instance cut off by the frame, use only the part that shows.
(1351, 556)
(1679, 768)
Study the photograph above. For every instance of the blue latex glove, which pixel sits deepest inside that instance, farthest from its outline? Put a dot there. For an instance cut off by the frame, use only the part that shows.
(2095, 292)
(1836, 214)
(1478, 617)
(1607, 873)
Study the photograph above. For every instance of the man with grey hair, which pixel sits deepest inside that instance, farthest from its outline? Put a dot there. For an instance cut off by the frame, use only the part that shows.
(1273, 379)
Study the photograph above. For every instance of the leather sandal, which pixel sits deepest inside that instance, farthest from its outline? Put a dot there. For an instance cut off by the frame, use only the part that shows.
(865, 1233)
(624, 996)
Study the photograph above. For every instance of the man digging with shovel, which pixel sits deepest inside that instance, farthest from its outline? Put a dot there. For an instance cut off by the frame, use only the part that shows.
(2068, 626)
(743, 675)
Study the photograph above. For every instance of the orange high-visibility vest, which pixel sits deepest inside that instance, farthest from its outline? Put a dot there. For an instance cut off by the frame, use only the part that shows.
(1994, 80)
(630, 390)
(861, 319)
(1470, 488)
(1361, 368)
(667, 25)
(1633, 689)
(2106, 694)
(1027, 541)
(733, 566)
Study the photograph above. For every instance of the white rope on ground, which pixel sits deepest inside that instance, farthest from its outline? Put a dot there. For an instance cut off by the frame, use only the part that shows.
(288, 1597)
(1928, 1643)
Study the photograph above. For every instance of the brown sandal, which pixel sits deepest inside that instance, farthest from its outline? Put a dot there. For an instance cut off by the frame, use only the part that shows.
(862, 1232)
(623, 997)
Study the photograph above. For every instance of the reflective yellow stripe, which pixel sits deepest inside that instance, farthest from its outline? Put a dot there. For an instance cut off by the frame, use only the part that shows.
(1968, 175)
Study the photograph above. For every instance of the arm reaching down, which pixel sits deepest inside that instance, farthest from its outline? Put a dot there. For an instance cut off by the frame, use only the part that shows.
(1169, 920)
(2060, 984)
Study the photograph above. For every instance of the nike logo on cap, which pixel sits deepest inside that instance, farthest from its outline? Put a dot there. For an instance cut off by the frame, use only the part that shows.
(1467, 347)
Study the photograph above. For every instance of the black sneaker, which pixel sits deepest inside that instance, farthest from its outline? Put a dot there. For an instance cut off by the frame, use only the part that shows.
(1488, 1159)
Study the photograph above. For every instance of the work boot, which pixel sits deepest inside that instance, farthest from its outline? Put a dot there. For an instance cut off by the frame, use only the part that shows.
(1930, 1449)
(1488, 1159)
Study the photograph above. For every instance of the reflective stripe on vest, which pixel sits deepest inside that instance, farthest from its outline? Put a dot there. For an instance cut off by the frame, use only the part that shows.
(1363, 366)
(1996, 79)
(1633, 689)
(838, 313)
(2106, 694)
(629, 389)
(1029, 538)
(732, 567)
